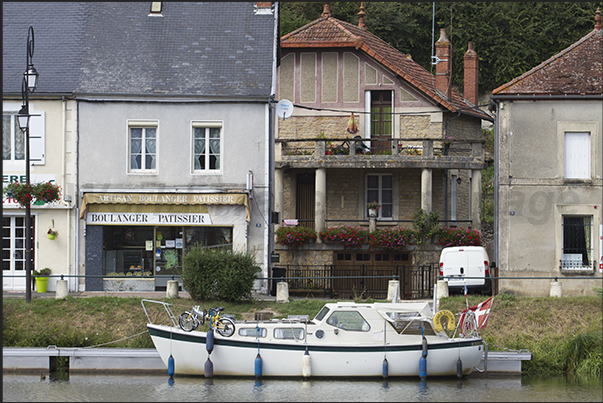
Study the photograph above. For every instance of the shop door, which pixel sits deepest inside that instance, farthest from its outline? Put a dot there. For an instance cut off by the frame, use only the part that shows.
(168, 253)
(13, 252)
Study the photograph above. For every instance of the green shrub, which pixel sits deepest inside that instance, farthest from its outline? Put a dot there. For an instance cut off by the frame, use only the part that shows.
(217, 273)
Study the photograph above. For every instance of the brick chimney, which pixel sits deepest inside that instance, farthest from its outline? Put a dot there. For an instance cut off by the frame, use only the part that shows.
(471, 75)
(598, 20)
(442, 81)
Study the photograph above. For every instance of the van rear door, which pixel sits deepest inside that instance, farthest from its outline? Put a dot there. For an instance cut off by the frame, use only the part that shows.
(463, 262)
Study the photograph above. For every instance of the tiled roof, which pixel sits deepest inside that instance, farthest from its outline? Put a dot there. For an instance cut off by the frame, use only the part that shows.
(576, 70)
(331, 32)
(214, 49)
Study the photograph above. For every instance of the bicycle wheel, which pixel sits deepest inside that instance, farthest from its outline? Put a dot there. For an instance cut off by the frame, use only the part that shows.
(225, 327)
(188, 322)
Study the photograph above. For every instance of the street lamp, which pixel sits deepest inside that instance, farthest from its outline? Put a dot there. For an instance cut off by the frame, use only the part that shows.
(28, 86)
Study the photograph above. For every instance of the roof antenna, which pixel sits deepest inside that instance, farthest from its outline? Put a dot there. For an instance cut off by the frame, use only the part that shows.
(361, 14)
(434, 59)
(326, 12)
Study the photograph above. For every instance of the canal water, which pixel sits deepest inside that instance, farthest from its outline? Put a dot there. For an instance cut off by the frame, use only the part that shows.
(160, 388)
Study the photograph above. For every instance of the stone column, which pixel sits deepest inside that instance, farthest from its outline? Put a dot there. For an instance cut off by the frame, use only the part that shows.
(426, 190)
(476, 198)
(320, 207)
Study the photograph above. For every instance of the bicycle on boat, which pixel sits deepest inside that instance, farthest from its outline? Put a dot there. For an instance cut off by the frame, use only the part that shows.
(190, 320)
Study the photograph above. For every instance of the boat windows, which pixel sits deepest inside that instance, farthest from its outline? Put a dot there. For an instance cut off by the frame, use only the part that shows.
(348, 320)
(289, 333)
(409, 326)
(323, 312)
(252, 332)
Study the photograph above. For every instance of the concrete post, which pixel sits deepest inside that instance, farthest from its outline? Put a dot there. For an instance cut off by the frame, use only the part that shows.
(172, 289)
(62, 289)
(393, 291)
(441, 290)
(555, 289)
(282, 291)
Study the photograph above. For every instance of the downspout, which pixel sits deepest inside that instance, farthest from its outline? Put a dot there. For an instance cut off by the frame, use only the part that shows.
(76, 196)
(496, 157)
(271, 127)
(63, 178)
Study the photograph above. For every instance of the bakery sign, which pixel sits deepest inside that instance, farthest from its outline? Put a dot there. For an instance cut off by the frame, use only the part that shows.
(155, 208)
(149, 218)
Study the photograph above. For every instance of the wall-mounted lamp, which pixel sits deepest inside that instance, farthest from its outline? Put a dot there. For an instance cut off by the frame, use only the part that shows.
(459, 180)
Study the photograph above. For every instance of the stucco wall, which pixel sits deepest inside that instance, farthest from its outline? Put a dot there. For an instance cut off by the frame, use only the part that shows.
(533, 194)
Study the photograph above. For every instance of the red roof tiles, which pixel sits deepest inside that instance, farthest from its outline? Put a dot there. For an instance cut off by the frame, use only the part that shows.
(331, 32)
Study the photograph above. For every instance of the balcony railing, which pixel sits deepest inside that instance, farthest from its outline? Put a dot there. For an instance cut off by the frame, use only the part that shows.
(402, 153)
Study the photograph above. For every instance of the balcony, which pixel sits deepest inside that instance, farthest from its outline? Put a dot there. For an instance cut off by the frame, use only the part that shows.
(385, 153)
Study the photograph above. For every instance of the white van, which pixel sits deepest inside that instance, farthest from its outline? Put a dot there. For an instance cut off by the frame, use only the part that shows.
(466, 265)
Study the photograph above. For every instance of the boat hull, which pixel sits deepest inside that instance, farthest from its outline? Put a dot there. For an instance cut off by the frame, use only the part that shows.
(237, 357)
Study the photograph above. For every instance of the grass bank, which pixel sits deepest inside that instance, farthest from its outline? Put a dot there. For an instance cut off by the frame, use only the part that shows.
(564, 335)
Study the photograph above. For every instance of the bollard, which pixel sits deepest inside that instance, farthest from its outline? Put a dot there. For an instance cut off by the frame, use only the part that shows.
(441, 291)
(62, 289)
(393, 291)
(172, 289)
(555, 289)
(282, 291)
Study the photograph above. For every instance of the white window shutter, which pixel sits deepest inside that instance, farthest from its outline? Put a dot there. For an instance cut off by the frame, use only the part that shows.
(577, 155)
(37, 138)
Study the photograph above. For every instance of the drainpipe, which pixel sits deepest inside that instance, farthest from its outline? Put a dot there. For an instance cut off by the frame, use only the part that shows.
(494, 104)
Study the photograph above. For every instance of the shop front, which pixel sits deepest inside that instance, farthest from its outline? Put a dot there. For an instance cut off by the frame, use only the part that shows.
(136, 242)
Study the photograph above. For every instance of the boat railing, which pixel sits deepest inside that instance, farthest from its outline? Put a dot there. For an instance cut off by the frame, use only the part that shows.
(167, 308)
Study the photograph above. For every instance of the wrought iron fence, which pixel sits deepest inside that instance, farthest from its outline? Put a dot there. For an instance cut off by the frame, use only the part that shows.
(363, 281)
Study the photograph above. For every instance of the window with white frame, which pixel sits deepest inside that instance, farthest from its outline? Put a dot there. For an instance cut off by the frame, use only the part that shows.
(379, 188)
(577, 155)
(207, 146)
(13, 138)
(143, 147)
(577, 242)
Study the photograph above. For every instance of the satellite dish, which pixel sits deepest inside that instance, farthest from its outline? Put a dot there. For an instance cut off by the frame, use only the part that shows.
(284, 108)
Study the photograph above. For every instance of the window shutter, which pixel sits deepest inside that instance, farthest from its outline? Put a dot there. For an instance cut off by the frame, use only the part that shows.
(37, 136)
(577, 155)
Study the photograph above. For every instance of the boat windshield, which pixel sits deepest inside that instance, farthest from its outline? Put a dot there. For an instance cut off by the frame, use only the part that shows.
(323, 312)
(348, 320)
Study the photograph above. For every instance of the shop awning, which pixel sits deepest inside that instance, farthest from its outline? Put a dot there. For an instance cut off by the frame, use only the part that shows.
(184, 203)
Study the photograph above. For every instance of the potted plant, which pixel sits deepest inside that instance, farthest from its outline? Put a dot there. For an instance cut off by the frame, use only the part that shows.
(42, 279)
(294, 236)
(373, 207)
(52, 234)
(348, 236)
(24, 193)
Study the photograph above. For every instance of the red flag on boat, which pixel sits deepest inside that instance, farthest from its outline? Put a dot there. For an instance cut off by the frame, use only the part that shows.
(481, 312)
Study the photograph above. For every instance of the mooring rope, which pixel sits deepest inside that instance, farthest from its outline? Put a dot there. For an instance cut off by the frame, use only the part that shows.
(110, 342)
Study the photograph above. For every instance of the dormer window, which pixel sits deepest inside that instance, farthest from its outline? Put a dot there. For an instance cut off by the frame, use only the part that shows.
(155, 9)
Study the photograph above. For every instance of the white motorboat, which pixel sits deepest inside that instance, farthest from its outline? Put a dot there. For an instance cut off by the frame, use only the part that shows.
(345, 339)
